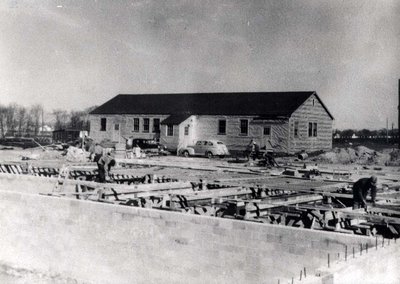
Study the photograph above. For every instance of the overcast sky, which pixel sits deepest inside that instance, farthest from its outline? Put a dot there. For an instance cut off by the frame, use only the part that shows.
(75, 54)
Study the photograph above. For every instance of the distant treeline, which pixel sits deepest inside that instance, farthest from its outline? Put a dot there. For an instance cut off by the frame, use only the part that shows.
(366, 133)
(17, 120)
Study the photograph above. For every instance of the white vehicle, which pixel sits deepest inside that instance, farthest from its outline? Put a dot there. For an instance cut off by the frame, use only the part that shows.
(207, 148)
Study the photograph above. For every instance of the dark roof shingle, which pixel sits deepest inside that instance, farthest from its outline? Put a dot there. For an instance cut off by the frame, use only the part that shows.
(252, 103)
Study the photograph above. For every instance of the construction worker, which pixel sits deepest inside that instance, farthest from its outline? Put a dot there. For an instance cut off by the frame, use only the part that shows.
(96, 152)
(104, 165)
(360, 192)
(269, 160)
(252, 150)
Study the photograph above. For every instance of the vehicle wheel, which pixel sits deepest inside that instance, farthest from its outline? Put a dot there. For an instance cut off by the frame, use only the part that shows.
(185, 154)
(209, 155)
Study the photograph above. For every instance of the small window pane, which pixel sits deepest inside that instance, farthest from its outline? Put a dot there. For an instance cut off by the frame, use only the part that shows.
(296, 129)
(156, 125)
(222, 127)
(136, 124)
(244, 126)
(146, 124)
(170, 130)
(103, 124)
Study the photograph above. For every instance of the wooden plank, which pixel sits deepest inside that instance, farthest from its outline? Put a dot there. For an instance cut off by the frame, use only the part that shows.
(355, 214)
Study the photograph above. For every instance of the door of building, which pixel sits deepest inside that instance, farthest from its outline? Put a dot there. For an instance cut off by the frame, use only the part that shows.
(116, 137)
(266, 137)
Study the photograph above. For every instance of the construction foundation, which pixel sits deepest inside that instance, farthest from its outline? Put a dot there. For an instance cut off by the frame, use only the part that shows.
(106, 243)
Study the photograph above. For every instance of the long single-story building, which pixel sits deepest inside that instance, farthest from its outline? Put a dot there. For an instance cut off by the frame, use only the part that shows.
(285, 121)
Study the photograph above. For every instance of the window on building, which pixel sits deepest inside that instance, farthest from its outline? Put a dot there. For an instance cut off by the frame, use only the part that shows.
(222, 126)
(156, 125)
(146, 125)
(116, 126)
(312, 129)
(136, 125)
(186, 130)
(267, 131)
(103, 124)
(296, 129)
(244, 127)
(170, 130)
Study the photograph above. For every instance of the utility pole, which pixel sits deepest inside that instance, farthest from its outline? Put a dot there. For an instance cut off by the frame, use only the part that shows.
(387, 130)
(42, 120)
(392, 135)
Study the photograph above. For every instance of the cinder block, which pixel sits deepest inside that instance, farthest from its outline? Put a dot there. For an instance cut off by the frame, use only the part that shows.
(226, 224)
(297, 249)
(239, 225)
(220, 231)
(275, 238)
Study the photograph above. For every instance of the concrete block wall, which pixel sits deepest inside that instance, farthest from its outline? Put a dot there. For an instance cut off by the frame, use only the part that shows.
(102, 243)
(379, 265)
(27, 183)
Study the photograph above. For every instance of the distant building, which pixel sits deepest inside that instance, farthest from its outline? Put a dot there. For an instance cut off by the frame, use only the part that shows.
(66, 135)
(286, 121)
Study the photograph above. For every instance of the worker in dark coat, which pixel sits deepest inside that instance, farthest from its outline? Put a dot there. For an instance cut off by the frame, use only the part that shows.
(360, 191)
(104, 165)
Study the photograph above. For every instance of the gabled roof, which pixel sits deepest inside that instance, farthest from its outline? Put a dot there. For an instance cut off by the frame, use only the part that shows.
(271, 104)
(175, 119)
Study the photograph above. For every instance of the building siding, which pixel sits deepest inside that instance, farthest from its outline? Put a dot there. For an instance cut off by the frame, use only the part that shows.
(126, 128)
(306, 113)
(202, 127)
(207, 128)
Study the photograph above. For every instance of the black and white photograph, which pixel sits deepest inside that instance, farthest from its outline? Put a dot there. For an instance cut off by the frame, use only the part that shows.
(199, 141)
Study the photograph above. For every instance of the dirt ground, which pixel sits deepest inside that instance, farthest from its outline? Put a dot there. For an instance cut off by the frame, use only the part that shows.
(359, 160)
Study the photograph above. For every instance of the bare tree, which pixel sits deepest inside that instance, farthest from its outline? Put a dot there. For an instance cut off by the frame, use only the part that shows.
(3, 115)
(36, 113)
(11, 118)
(61, 117)
(80, 119)
(21, 119)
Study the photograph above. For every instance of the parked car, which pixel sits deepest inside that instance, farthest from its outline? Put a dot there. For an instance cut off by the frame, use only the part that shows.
(208, 148)
(149, 145)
